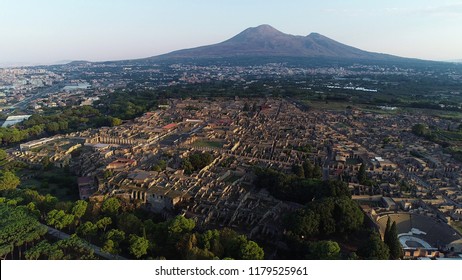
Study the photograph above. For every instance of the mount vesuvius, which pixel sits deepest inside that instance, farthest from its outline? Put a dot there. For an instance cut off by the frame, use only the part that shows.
(266, 41)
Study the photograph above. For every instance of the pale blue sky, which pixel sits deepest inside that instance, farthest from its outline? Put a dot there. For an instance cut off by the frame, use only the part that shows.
(47, 31)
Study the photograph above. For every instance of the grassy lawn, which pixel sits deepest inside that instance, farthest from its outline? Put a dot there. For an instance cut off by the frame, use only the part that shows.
(54, 181)
(341, 106)
(211, 144)
(457, 226)
(331, 105)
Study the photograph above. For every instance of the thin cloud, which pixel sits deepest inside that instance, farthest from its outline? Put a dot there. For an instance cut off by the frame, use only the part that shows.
(446, 10)
(451, 10)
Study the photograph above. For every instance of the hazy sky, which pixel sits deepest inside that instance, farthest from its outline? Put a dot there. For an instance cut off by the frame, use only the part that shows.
(48, 31)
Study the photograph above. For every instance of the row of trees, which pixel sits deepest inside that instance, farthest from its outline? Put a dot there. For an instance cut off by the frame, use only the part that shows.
(326, 217)
(390, 238)
(72, 248)
(19, 229)
(117, 230)
(307, 170)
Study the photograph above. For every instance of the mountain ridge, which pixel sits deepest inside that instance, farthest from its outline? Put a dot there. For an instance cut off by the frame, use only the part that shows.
(266, 41)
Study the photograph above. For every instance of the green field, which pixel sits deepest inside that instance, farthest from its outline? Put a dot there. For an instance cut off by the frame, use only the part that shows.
(457, 226)
(211, 144)
(55, 181)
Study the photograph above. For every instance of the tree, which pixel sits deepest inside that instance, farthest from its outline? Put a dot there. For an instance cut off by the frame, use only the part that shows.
(110, 247)
(116, 235)
(374, 248)
(386, 234)
(210, 240)
(8, 180)
(17, 229)
(298, 170)
(79, 208)
(129, 223)
(362, 176)
(161, 165)
(324, 250)
(115, 121)
(59, 219)
(187, 166)
(254, 107)
(87, 229)
(396, 251)
(111, 206)
(3, 155)
(419, 129)
(308, 168)
(75, 248)
(348, 215)
(138, 246)
(44, 250)
(103, 223)
(196, 161)
(46, 203)
(317, 172)
(239, 247)
(251, 251)
(303, 223)
(180, 224)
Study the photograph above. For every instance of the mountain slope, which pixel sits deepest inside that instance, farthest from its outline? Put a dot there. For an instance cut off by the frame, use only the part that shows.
(266, 41)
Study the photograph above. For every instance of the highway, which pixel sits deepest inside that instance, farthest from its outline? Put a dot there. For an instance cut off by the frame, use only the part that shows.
(40, 93)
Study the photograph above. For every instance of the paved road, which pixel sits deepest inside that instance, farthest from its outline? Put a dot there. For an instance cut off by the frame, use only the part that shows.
(62, 235)
(42, 92)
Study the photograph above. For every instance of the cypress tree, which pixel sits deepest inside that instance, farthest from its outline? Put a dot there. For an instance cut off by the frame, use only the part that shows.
(396, 251)
(308, 169)
(362, 176)
(386, 234)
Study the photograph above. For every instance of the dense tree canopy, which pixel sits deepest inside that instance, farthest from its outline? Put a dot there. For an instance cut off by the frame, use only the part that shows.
(3, 155)
(8, 180)
(392, 241)
(17, 227)
(59, 219)
(111, 206)
(79, 209)
(324, 250)
(44, 251)
(138, 246)
(374, 248)
(297, 189)
(326, 217)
